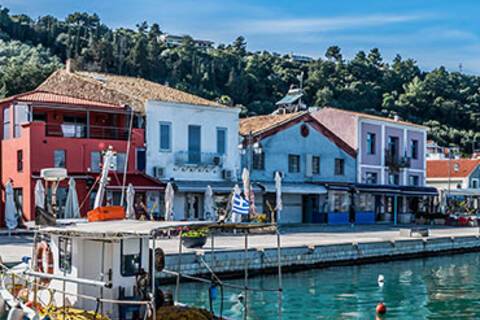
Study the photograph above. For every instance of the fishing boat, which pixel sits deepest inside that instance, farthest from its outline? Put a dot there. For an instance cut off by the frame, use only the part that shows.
(102, 267)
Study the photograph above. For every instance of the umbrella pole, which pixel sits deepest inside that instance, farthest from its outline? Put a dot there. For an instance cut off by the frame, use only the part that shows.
(245, 260)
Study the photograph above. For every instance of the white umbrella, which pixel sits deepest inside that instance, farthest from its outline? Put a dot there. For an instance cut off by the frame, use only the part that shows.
(11, 214)
(169, 196)
(130, 202)
(235, 216)
(39, 194)
(278, 189)
(72, 210)
(208, 204)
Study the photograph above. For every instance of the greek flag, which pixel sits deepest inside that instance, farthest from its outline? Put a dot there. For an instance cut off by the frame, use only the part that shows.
(240, 205)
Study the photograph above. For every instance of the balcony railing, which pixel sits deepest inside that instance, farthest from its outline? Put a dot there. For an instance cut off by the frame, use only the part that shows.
(84, 132)
(198, 158)
(394, 161)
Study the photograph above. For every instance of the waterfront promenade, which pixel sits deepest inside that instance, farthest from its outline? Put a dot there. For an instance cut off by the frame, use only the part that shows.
(13, 248)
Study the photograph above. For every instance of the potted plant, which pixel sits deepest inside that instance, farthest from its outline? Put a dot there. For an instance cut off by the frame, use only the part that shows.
(194, 238)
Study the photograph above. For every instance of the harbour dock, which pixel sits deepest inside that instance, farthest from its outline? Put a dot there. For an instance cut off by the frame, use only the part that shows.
(303, 247)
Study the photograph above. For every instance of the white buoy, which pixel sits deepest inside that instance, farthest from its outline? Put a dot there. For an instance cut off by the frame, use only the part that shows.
(381, 280)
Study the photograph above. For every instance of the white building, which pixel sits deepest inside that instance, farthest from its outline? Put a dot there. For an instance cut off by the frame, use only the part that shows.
(193, 146)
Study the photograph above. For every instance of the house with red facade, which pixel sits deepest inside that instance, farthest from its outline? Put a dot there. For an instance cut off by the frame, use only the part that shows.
(43, 129)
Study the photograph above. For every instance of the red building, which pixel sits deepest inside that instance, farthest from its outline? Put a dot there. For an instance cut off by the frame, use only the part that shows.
(41, 129)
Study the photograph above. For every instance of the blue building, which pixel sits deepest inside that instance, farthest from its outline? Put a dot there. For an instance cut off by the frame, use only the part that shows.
(318, 167)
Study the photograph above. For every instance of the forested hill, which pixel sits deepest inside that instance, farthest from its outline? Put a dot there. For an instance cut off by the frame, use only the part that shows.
(448, 102)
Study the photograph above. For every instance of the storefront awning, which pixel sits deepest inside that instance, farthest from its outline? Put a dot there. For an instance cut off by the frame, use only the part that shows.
(299, 188)
(398, 190)
(463, 192)
(217, 186)
(139, 181)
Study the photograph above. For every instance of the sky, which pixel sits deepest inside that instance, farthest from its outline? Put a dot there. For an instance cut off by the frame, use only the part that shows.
(433, 32)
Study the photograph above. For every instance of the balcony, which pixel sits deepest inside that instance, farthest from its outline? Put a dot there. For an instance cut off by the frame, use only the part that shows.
(207, 159)
(86, 132)
(395, 162)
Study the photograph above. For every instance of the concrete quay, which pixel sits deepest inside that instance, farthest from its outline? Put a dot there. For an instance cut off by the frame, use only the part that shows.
(303, 247)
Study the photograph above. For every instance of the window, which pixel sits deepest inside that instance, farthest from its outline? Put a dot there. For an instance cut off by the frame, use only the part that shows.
(59, 158)
(121, 161)
(413, 180)
(65, 254)
(141, 159)
(371, 143)
(6, 123)
(339, 167)
(21, 117)
(414, 149)
(475, 183)
(258, 161)
(194, 144)
(131, 257)
(293, 163)
(221, 140)
(393, 144)
(394, 178)
(95, 161)
(165, 136)
(19, 160)
(76, 127)
(315, 165)
(371, 177)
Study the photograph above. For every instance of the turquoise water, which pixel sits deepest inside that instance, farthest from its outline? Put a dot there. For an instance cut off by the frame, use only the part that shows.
(445, 287)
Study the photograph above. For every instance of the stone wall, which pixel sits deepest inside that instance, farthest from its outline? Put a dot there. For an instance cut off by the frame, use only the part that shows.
(232, 263)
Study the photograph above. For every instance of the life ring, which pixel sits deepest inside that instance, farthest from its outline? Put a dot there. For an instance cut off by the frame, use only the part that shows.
(44, 253)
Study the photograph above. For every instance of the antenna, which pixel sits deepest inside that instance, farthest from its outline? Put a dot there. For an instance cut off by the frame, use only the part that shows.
(460, 67)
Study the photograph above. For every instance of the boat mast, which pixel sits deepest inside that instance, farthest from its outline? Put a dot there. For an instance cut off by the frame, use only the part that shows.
(102, 184)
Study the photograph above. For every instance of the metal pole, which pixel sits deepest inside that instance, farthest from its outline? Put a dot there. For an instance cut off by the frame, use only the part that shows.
(280, 288)
(127, 156)
(154, 307)
(179, 265)
(245, 295)
(212, 249)
(102, 275)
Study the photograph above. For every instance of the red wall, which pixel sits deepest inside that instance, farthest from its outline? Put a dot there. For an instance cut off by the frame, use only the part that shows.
(38, 153)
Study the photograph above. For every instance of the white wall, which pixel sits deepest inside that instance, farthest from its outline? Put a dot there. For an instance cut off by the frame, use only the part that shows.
(181, 116)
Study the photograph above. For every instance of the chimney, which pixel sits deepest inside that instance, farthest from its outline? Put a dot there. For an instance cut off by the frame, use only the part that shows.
(69, 65)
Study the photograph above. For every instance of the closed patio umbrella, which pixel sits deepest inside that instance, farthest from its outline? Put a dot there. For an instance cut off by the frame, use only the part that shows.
(208, 205)
(246, 185)
(130, 202)
(169, 197)
(11, 214)
(72, 210)
(39, 194)
(278, 191)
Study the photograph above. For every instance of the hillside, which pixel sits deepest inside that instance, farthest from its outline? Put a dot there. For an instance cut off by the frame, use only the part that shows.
(448, 102)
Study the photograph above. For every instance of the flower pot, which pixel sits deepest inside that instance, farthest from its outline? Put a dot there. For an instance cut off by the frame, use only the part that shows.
(197, 242)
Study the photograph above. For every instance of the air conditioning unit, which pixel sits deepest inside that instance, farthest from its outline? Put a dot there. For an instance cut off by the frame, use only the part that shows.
(217, 160)
(158, 172)
(282, 174)
(227, 174)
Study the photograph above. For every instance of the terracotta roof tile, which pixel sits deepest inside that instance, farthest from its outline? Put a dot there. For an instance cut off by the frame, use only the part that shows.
(459, 168)
(258, 124)
(39, 96)
(113, 89)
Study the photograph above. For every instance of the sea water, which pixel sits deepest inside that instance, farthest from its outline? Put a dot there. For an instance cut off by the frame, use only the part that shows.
(446, 287)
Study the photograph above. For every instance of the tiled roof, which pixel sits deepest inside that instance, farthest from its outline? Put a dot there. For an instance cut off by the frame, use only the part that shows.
(459, 168)
(264, 126)
(113, 89)
(258, 124)
(39, 96)
(374, 117)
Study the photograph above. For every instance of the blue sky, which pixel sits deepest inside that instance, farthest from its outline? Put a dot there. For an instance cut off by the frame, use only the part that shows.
(434, 32)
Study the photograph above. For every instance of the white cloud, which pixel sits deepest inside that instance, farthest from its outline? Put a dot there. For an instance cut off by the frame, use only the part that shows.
(285, 26)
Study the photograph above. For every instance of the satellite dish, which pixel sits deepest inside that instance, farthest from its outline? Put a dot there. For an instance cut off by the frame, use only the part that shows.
(53, 174)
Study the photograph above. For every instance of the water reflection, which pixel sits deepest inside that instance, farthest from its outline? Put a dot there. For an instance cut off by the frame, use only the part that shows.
(432, 288)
